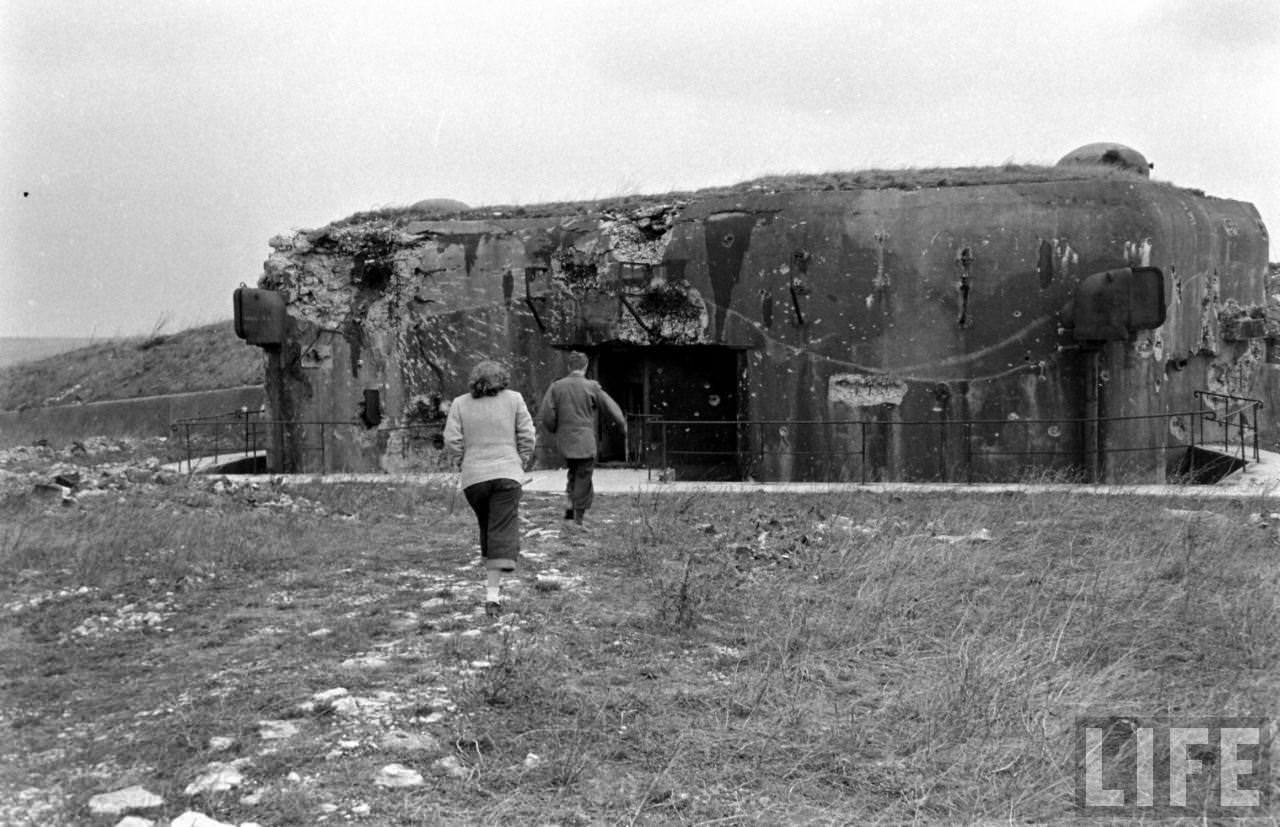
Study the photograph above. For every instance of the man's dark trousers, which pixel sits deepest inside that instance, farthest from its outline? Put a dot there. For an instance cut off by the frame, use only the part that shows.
(578, 486)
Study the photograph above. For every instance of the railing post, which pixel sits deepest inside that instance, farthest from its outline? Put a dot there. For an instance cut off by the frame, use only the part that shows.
(1200, 416)
(968, 452)
(862, 450)
(663, 425)
(1191, 451)
(1254, 410)
(645, 438)
(324, 460)
(755, 449)
(759, 446)
(186, 428)
(1242, 445)
(942, 446)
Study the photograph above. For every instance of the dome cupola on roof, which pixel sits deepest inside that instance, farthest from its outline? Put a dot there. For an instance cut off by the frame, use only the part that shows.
(1108, 154)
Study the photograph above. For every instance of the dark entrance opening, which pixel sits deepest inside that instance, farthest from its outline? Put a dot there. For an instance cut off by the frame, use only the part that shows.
(1200, 466)
(682, 406)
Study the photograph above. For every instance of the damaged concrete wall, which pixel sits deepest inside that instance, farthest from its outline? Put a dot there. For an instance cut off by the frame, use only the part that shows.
(914, 307)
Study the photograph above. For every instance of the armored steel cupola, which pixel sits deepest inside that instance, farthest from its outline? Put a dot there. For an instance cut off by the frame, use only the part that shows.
(1108, 154)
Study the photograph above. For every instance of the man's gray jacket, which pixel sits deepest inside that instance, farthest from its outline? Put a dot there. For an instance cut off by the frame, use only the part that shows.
(569, 411)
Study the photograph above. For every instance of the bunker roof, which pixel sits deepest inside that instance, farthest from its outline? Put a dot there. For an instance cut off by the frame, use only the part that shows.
(873, 179)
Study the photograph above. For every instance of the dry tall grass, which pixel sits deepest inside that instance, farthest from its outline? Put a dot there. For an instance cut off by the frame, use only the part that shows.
(765, 659)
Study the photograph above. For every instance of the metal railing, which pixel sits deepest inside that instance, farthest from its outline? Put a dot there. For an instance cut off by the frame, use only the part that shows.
(204, 441)
(210, 438)
(854, 450)
(956, 450)
(1228, 415)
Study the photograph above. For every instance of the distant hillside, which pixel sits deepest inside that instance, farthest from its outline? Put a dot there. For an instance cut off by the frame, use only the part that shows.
(17, 349)
(202, 358)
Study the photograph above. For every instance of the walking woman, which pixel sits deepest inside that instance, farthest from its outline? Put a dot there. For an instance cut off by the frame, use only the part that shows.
(491, 429)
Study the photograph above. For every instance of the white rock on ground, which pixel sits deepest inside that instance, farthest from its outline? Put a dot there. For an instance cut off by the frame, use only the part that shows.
(217, 777)
(398, 775)
(399, 741)
(193, 819)
(403, 621)
(365, 662)
(130, 798)
(982, 535)
(135, 821)
(354, 706)
(450, 766)
(276, 730)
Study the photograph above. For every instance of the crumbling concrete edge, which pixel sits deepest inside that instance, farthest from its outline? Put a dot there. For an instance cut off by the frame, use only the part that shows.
(552, 482)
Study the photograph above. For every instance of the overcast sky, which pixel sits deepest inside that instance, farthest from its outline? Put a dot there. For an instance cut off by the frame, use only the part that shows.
(150, 148)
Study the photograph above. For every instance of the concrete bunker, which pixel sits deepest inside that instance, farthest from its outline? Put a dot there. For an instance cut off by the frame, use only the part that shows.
(952, 324)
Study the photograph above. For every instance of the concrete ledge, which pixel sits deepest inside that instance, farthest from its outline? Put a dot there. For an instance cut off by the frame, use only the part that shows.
(617, 481)
(143, 416)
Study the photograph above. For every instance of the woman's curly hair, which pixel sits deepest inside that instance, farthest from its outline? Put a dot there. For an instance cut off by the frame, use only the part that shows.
(488, 378)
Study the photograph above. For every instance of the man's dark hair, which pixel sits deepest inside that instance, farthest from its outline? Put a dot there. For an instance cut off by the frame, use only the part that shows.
(578, 360)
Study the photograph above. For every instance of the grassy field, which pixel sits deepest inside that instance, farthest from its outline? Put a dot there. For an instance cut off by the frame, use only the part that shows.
(201, 358)
(692, 659)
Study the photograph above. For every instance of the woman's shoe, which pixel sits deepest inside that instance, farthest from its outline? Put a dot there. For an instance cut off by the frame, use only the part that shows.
(493, 609)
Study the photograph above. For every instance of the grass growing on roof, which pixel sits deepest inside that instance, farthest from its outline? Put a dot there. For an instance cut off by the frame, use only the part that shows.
(910, 178)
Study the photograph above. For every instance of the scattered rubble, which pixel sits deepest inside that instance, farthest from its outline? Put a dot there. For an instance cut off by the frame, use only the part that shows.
(415, 742)
(53, 491)
(121, 801)
(98, 467)
(218, 777)
(398, 775)
(365, 663)
(191, 818)
(135, 821)
(451, 767)
(402, 725)
(127, 618)
(276, 730)
(36, 600)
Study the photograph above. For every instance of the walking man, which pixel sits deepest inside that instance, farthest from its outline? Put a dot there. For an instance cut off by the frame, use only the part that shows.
(569, 411)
